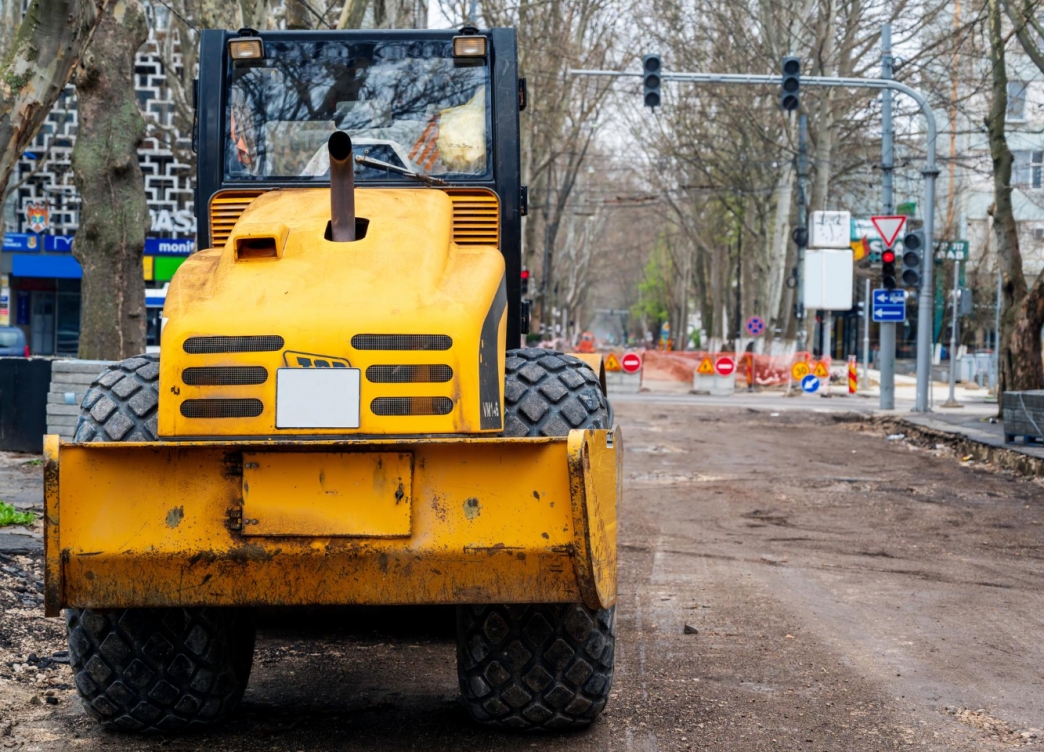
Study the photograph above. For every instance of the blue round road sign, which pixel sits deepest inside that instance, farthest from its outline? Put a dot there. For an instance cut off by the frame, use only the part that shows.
(755, 326)
(810, 384)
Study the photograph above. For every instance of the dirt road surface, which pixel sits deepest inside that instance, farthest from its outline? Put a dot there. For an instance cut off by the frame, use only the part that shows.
(787, 582)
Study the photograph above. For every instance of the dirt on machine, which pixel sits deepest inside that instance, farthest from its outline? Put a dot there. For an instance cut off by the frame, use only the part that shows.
(339, 413)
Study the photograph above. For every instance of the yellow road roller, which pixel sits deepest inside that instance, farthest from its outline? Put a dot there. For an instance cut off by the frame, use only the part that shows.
(341, 413)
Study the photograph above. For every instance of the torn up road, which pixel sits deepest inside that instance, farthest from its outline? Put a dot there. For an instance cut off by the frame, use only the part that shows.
(787, 582)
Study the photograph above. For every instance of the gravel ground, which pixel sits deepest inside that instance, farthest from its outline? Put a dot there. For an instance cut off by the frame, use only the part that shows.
(788, 581)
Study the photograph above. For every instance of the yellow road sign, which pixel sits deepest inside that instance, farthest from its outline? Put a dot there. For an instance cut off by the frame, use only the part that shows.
(820, 371)
(800, 370)
(611, 363)
(706, 367)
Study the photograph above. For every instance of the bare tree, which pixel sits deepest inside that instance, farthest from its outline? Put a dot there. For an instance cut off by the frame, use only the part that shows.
(113, 213)
(36, 65)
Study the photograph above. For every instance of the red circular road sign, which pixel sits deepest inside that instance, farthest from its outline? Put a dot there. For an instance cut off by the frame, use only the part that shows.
(631, 362)
(725, 366)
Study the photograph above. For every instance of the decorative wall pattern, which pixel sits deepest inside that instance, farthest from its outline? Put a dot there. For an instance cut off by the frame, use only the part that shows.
(45, 170)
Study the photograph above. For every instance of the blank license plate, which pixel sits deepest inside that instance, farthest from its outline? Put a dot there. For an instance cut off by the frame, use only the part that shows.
(317, 397)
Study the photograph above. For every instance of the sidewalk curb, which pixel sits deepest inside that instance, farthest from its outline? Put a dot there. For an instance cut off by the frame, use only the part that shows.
(996, 456)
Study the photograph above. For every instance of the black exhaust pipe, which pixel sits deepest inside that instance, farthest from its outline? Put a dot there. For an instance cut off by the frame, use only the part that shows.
(342, 188)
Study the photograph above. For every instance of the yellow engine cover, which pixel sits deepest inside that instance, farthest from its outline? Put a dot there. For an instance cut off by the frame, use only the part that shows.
(422, 319)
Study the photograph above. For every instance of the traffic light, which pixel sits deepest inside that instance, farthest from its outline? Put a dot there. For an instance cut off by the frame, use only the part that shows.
(913, 248)
(790, 91)
(888, 269)
(525, 281)
(651, 80)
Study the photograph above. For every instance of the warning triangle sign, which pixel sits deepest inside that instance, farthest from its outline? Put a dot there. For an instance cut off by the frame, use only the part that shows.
(706, 367)
(889, 228)
(611, 363)
(820, 371)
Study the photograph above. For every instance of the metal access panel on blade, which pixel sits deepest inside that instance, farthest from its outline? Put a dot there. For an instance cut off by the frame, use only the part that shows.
(327, 494)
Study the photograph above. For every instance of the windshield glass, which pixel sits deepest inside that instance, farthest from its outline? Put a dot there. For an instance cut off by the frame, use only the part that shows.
(9, 338)
(409, 104)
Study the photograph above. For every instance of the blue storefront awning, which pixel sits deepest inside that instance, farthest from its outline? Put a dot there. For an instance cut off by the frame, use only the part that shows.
(61, 267)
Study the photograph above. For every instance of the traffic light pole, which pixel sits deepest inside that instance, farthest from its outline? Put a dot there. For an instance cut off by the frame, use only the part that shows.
(887, 329)
(929, 173)
(802, 240)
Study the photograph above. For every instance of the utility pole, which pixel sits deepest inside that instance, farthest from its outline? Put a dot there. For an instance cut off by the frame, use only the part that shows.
(801, 235)
(952, 400)
(887, 330)
(866, 336)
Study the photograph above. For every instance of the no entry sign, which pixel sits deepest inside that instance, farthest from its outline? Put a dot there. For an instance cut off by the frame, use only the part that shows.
(725, 366)
(631, 362)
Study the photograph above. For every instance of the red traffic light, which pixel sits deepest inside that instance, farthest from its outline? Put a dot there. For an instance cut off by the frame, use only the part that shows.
(525, 274)
(888, 257)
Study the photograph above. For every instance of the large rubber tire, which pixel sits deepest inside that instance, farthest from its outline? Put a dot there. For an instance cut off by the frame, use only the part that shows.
(155, 669)
(160, 669)
(122, 403)
(535, 667)
(547, 393)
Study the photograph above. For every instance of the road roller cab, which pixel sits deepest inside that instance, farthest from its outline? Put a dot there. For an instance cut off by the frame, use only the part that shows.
(340, 413)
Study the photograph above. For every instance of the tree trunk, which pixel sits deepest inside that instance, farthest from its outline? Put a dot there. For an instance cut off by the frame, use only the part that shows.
(36, 67)
(113, 213)
(1021, 314)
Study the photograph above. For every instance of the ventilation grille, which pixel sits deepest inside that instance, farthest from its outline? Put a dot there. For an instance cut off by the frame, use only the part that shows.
(224, 376)
(409, 374)
(252, 343)
(225, 210)
(476, 217)
(221, 408)
(401, 342)
(411, 406)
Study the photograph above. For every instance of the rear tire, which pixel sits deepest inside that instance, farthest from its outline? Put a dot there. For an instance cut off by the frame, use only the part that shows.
(152, 669)
(160, 669)
(540, 667)
(535, 667)
(547, 393)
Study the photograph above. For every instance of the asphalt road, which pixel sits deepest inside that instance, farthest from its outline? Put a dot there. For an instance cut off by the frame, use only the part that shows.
(788, 582)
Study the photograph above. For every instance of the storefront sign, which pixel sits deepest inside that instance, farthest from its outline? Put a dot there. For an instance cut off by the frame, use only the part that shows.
(58, 243)
(5, 301)
(168, 246)
(22, 241)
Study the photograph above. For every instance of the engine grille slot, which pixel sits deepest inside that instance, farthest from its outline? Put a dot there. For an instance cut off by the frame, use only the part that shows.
(225, 375)
(402, 406)
(428, 374)
(225, 209)
(221, 408)
(476, 217)
(249, 343)
(402, 342)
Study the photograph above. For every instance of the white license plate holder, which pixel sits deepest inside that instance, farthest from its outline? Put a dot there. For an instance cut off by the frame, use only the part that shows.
(318, 397)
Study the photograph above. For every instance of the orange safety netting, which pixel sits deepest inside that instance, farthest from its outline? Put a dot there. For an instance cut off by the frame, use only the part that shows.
(763, 370)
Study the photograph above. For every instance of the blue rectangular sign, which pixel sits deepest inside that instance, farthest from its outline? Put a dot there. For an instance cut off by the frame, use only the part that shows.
(168, 246)
(888, 306)
(22, 241)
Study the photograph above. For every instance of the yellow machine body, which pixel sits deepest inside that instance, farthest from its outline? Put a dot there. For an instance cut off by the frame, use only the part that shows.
(404, 509)
(444, 520)
(278, 278)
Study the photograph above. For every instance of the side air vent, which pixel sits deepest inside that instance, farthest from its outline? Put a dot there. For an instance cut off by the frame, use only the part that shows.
(476, 217)
(411, 406)
(225, 376)
(253, 343)
(221, 408)
(401, 342)
(225, 210)
(409, 374)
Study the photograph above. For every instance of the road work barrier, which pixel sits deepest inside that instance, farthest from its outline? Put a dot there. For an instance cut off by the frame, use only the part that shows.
(662, 368)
